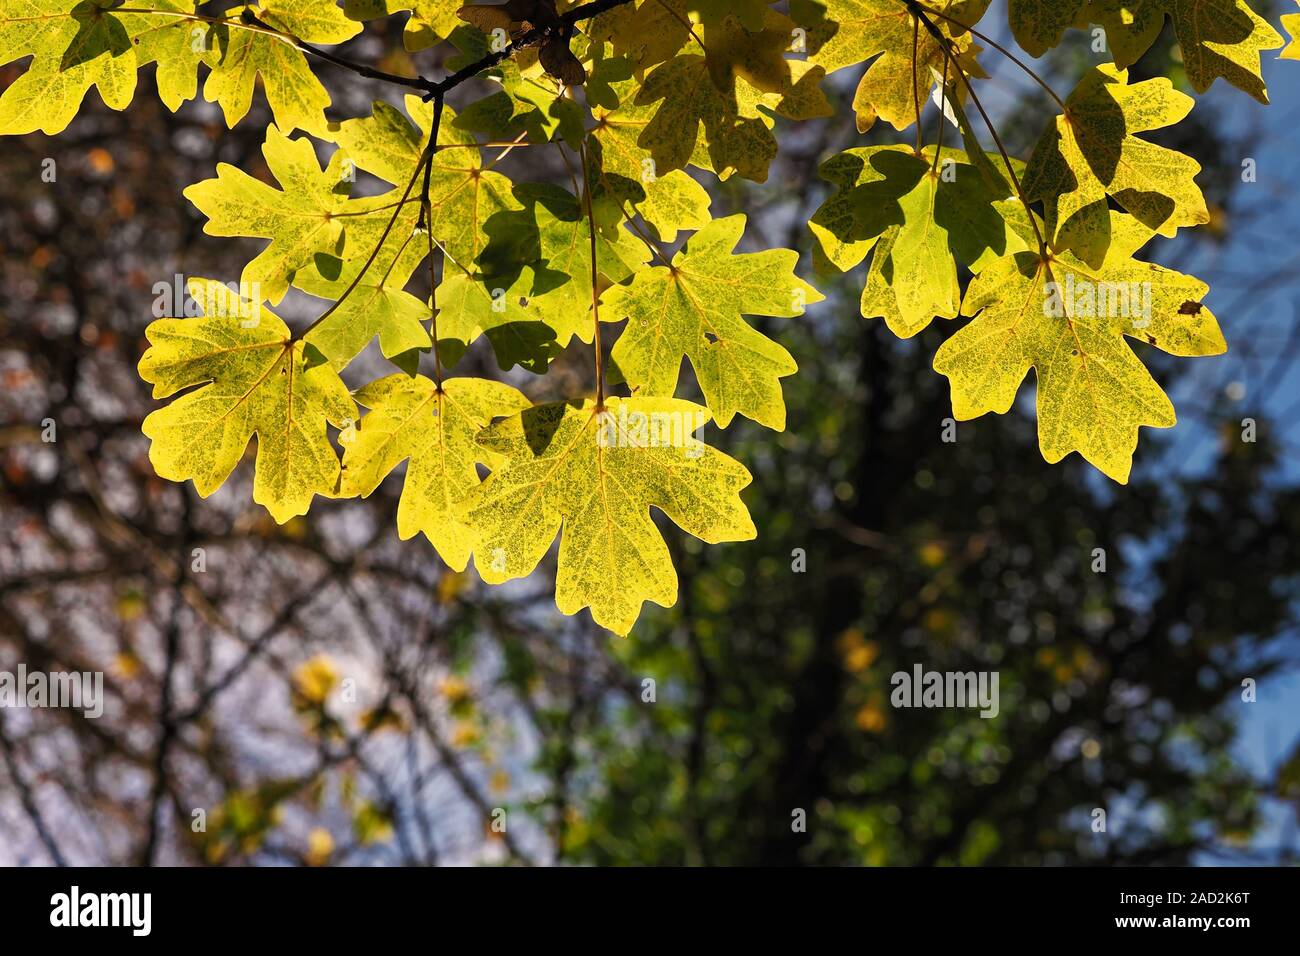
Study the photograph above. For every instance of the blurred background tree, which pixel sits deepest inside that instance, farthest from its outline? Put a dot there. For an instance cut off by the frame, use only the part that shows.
(321, 692)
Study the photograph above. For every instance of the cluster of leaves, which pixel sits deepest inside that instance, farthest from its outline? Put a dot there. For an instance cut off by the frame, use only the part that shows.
(666, 86)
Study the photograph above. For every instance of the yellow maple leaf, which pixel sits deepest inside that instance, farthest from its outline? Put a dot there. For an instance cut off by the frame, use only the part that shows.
(300, 218)
(695, 309)
(463, 194)
(1218, 38)
(252, 378)
(76, 44)
(298, 100)
(596, 473)
(1067, 320)
(1090, 152)
(430, 20)
(843, 33)
(411, 418)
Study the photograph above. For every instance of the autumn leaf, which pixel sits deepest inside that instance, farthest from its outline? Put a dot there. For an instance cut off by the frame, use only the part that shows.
(695, 308)
(529, 101)
(647, 33)
(1067, 321)
(1218, 38)
(596, 475)
(248, 55)
(1090, 152)
(924, 216)
(301, 218)
(434, 430)
(247, 377)
(730, 92)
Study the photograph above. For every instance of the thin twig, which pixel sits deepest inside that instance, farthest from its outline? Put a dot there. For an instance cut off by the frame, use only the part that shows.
(595, 297)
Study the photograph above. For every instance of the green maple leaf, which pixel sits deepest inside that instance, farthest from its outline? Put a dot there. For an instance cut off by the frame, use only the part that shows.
(737, 135)
(378, 305)
(77, 44)
(462, 193)
(411, 419)
(1091, 152)
(731, 91)
(430, 20)
(470, 305)
(923, 218)
(297, 98)
(302, 218)
(1067, 320)
(1218, 38)
(1039, 24)
(694, 309)
(596, 474)
(552, 235)
(949, 217)
(624, 173)
(248, 377)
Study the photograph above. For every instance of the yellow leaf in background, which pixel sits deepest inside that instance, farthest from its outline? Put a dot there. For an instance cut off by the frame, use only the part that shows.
(130, 605)
(465, 734)
(126, 665)
(871, 718)
(596, 475)
(380, 719)
(319, 847)
(252, 378)
(1068, 320)
(315, 678)
(371, 823)
(454, 688)
(435, 430)
(450, 585)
